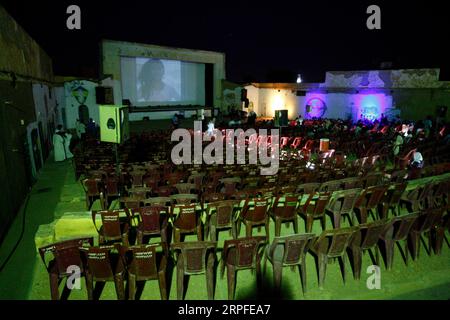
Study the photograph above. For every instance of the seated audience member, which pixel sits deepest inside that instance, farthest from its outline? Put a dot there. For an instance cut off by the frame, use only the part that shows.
(175, 121)
(417, 161)
(397, 143)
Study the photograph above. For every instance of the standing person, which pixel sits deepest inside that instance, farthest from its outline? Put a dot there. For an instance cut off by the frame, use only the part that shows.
(397, 143)
(58, 145)
(81, 129)
(210, 130)
(67, 139)
(175, 121)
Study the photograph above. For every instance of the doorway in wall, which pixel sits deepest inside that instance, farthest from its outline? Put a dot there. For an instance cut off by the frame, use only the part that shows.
(35, 146)
(83, 114)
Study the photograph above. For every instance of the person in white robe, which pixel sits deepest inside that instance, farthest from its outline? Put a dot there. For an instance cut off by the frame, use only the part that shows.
(58, 146)
(67, 139)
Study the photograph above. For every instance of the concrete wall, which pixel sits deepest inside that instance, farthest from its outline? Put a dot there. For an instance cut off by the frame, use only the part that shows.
(25, 79)
(113, 50)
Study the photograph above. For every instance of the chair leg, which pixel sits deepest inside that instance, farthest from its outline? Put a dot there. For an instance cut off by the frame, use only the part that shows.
(309, 223)
(248, 229)
(342, 265)
(199, 233)
(54, 284)
(120, 290)
(302, 271)
(213, 235)
(131, 286)
(233, 231)
(210, 283)
(268, 229)
(90, 286)
(180, 281)
(295, 222)
(162, 285)
(323, 260)
(231, 278)
(337, 220)
(176, 235)
(357, 262)
(277, 275)
(389, 245)
(277, 227)
(415, 244)
(140, 237)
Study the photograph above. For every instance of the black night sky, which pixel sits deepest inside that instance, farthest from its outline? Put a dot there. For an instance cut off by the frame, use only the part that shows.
(268, 41)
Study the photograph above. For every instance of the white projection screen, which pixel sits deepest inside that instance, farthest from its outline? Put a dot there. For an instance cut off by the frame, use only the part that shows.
(157, 82)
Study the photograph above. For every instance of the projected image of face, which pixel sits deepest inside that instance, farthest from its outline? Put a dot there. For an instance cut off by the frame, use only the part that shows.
(153, 85)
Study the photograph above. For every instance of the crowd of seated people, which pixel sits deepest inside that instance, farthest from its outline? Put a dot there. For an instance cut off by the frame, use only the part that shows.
(365, 175)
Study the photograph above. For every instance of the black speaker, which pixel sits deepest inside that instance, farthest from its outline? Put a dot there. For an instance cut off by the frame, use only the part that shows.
(104, 95)
(442, 112)
(283, 116)
(243, 95)
(301, 93)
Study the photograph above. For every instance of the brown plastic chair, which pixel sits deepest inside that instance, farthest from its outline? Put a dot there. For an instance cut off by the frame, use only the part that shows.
(370, 201)
(111, 190)
(366, 238)
(186, 221)
(418, 198)
(242, 254)
(94, 191)
(104, 264)
(342, 204)
(159, 201)
(289, 251)
(315, 208)
(153, 221)
(195, 258)
(307, 188)
(397, 231)
(427, 222)
(285, 211)
(221, 215)
(332, 244)
(112, 229)
(331, 186)
(184, 198)
(65, 254)
(145, 263)
(186, 188)
(439, 234)
(255, 215)
(391, 200)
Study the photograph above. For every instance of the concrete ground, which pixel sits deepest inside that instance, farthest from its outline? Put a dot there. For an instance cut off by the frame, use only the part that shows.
(57, 192)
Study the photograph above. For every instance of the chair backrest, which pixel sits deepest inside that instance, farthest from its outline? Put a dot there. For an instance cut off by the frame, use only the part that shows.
(331, 186)
(402, 225)
(112, 186)
(243, 252)
(92, 186)
(257, 211)
(110, 223)
(224, 211)
(428, 219)
(291, 250)
(344, 201)
(369, 234)
(161, 201)
(308, 188)
(66, 253)
(187, 215)
(141, 260)
(352, 183)
(98, 261)
(334, 243)
(374, 195)
(150, 217)
(394, 195)
(316, 207)
(185, 188)
(194, 255)
(286, 208)
(212, 197)
(184, 198)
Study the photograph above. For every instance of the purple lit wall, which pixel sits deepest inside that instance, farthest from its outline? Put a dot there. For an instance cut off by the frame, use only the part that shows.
(370, 106)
